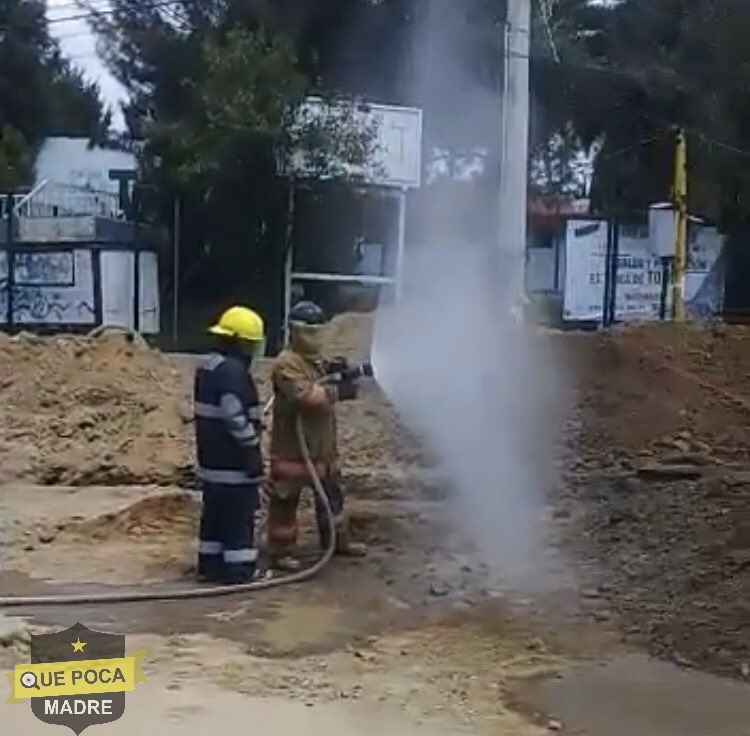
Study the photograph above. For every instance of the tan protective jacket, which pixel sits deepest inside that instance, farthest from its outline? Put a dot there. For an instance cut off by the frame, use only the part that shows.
(297, 391)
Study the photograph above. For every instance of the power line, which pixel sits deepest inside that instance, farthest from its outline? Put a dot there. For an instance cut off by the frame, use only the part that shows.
(91, 14)
(708, 140)
(72, 5)
(507, 53)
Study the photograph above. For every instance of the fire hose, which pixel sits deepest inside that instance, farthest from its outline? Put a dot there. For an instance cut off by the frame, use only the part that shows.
(214, 591)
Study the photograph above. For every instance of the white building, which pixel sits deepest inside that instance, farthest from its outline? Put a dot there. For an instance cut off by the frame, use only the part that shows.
(69, 259)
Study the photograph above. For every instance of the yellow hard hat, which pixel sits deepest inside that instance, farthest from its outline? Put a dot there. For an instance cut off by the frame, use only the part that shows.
(240, 322)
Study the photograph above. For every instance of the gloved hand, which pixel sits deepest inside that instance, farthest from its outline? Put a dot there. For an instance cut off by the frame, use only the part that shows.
(347, 390)
(335, 365)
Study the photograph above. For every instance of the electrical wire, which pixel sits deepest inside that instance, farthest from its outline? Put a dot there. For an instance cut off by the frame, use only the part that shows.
(92, 14)
(634, 75)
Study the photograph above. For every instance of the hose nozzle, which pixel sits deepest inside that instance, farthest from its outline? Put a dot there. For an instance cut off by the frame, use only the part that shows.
(349, 372)
(362, 371)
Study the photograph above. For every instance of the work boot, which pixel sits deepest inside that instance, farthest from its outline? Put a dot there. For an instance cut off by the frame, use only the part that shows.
(237, 574)
(345, 547)
(324, 534)
(286, 563)
(210, 568)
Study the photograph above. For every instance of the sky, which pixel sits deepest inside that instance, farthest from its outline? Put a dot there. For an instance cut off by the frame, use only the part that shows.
(79, 45)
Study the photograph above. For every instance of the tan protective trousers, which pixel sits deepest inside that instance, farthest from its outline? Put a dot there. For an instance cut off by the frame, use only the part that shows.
(282, 523)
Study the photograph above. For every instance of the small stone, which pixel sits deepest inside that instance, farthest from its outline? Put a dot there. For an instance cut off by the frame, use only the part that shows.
(591, 594)
(438, 590)
(745, 670)
(666, 473)
(365, 656)
(535, 645)
(554, 725)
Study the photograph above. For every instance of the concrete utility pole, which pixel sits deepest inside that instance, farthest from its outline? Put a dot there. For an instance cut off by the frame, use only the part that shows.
(515, 149)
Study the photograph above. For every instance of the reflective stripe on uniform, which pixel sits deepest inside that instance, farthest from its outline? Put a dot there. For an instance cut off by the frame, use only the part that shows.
(207, 411)
(246, 435)
(236, 416)
(210, 548)
(233, 556)
(227, 477)
(212, 362)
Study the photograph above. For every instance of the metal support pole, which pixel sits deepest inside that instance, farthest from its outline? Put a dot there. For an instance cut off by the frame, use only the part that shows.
(680, 206)
(665, 264)
(611, 224)
(401, 244)
(614, 270)
(10, 258)
(176, 270)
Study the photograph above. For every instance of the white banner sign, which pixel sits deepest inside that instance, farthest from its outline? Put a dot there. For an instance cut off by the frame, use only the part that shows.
(639, 291)
(397, 148)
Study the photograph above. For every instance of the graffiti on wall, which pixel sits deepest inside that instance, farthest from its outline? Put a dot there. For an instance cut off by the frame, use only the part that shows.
(49, 287)
(44, 269)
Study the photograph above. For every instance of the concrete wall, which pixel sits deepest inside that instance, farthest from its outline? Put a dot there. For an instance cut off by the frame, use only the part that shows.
(68, 230)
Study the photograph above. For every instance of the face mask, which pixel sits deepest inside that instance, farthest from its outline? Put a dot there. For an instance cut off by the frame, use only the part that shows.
(307, 340)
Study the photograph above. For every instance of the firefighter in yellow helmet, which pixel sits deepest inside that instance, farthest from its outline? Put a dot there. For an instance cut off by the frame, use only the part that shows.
(298, 391)
(227, 432)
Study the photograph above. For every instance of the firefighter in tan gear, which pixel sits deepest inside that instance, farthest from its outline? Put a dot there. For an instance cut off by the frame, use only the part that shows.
(298, 391)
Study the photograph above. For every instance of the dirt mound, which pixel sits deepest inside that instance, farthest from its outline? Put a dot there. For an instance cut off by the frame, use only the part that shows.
(658, 496)
(107, 411)
(663, 391)
(174, 515)
(674, 564)
(82, 410)
(350, 334)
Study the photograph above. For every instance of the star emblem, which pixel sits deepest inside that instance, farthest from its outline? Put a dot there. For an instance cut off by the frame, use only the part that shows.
(78, 645)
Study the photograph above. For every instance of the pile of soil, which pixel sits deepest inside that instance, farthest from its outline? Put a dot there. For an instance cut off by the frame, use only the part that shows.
(173, 515)
(80, 411)
(350, 335)
(108, 411)
(663, 391)
(673, 564)
(657, 495)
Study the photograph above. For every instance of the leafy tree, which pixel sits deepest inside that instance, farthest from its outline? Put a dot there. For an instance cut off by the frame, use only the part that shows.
(629, 72)
(41, 94)
(16, 165)
(215, 94)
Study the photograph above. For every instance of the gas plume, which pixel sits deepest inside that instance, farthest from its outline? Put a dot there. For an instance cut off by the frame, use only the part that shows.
(481, 388)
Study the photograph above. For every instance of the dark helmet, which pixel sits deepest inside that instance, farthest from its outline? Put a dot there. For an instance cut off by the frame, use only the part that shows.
(307, 313)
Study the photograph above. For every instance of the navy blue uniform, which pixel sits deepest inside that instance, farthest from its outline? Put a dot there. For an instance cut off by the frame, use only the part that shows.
(230, 466)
